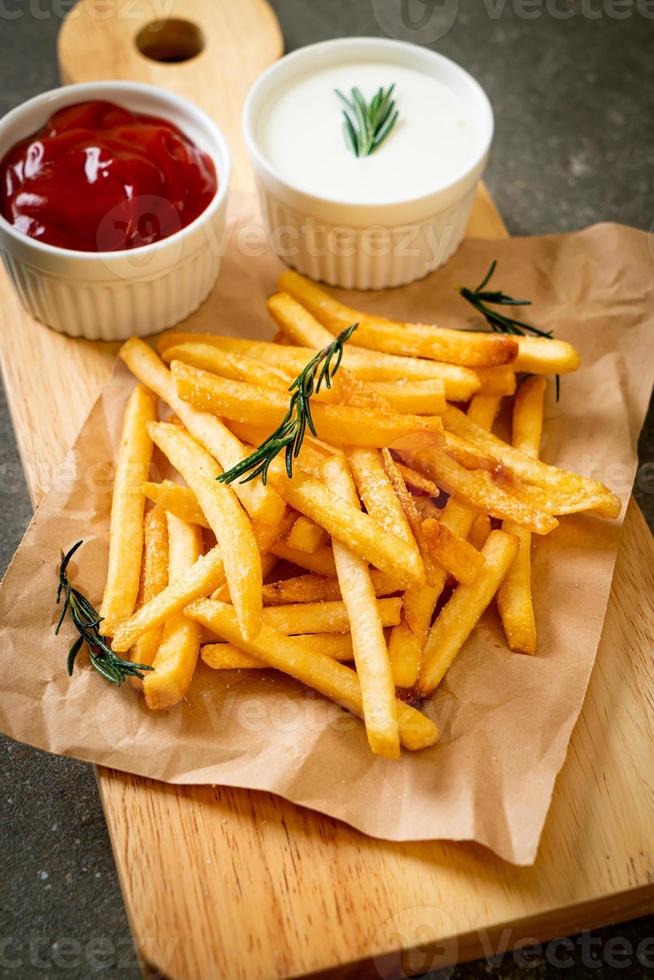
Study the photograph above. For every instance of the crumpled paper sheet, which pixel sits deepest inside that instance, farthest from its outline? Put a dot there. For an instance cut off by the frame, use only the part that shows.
(506, 719)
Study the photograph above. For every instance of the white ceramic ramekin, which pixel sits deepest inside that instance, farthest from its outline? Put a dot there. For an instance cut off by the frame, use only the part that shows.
(369, 246)
(115, 295)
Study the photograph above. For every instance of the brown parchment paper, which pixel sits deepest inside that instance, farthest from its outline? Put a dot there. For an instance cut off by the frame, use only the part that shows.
(506, 719)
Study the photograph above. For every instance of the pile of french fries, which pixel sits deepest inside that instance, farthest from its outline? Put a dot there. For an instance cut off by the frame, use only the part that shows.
(364, 573)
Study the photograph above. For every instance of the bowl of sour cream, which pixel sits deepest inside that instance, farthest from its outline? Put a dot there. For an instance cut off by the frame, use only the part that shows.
(377, 219)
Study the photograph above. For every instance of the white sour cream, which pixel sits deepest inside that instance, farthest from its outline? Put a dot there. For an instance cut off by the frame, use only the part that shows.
(300, 131)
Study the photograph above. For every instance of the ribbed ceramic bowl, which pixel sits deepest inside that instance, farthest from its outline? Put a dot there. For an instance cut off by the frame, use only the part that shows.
(115, 295)
(369, 246)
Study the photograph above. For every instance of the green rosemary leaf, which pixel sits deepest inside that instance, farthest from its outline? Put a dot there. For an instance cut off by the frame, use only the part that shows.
(87, 622)
(479, 299)
(366, 125)
(289, 434)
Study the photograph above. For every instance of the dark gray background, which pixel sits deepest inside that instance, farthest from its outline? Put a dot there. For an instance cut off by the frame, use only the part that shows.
(572, 84)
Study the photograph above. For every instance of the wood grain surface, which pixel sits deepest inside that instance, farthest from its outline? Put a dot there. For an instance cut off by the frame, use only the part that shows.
(224, 883)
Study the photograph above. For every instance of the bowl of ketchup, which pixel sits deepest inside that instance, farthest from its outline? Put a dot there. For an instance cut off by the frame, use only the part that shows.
(112, 207)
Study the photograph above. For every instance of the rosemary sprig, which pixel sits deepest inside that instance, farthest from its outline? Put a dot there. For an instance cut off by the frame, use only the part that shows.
(366, 125)
(498, 322)
(289, 434)
(86, 620)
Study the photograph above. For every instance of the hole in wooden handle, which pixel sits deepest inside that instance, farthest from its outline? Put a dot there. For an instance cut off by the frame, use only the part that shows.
(170, 41)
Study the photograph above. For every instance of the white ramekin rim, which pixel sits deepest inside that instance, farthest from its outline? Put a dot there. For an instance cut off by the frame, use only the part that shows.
(367, 45)
(65, 95)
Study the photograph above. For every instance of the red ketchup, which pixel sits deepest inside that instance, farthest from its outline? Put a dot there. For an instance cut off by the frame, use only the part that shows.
(99, 178)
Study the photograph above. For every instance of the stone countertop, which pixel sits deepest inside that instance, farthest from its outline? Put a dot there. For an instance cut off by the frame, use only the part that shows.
(571, 85)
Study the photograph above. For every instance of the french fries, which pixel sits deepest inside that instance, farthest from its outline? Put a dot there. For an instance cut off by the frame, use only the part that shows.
(261, 503)
(460, 383)
(225, 516)
(154, 579)
(436, 343)
(366, 628)
(332, 679)
(459, 616)
(317, 588)
(128, 503)
(371, 544)
(306, 535)
(263, 406)
(514, 599)
(174, 663)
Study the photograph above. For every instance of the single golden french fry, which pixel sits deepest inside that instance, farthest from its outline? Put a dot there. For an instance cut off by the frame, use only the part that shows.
(453, 553)
(480, 530)
(527, 468)
(306, 535)
(460, 383)
(203, 578)
(228, 364)
(268, 562)
(226, 518)
(542, 355)
(498, 380)
(366, 628)
(378, 493)
(475, 488)
(154, 579)
(387, 552)
(514, 599)
(227, 656)
(261, 502)
(127, 506)
(483, 409)
(177, 500)
(174, 664)
(265, 407)
(317, 588)
(332, 679)
(321, 561)
(460, 615)
(405, 651)
(413, 516)
(417, 340)
(326, 617)
(416, 481)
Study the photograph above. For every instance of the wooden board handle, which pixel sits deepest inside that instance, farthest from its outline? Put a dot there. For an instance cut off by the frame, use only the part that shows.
(210, 51)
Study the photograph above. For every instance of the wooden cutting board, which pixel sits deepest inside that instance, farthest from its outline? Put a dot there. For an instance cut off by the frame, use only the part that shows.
(223, 883)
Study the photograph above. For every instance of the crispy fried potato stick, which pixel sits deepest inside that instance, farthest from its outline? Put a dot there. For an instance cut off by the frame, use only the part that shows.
(306, 535)
(378, 493)
(317, 588)
(226, 517)
(514, 599)
(177, 500)
(227, 656)
(476, 488)
(541, 355)
(154, 579)
(320, 562)
(127, 506)
(265, 407)
(416, 340)
(261, 503)
(206, 574)
(460, 383)
(480, 530)
(497, 380)
(483, 409)
(387, 552)
(527, 468)
(453, 553)
(332, 679)
(228, 364)
(174, 664)
(408, 504)
(460, 615)
(326, 616)
(366, 628)
(268, 562)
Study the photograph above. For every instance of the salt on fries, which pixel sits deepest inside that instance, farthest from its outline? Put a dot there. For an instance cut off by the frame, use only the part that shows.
(371, 539)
